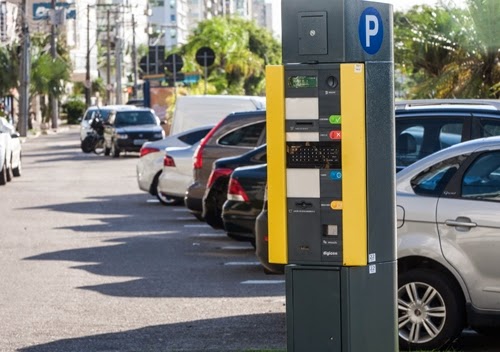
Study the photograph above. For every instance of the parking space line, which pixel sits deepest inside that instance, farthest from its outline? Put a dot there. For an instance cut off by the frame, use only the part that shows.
(185, 218)
(262, 282)
(238, 248)
(184, 210)
(197, 225)
(152, 201)
(212, 235)
(242, 263)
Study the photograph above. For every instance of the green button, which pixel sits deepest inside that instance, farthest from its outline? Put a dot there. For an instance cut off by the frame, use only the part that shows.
(335, 119)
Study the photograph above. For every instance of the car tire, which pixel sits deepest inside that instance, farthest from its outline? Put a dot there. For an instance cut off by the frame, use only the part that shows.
(213, 204)
(17, 170)
(9, 172)
(115, 151)
(87, 144)
(3, 174)
(165, 200)
(431, 310)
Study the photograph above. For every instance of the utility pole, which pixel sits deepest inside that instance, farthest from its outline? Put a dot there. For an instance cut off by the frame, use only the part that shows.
(88, 83)
(108, 58)
(134, 57)
(53, 52)
(118, 55)
(25, 73)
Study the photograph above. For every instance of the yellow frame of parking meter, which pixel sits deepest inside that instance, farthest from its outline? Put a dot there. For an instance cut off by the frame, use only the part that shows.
(331, 175)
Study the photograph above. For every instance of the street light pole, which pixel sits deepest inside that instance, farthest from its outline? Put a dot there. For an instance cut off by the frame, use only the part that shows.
(108, 58)
(134, 57)
(88, 83)
(53, 52)
(25, 73)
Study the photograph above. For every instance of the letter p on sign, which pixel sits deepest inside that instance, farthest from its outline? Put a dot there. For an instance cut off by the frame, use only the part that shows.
(371, 30)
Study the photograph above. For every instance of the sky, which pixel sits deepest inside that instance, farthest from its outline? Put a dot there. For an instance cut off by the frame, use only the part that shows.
(399, 5)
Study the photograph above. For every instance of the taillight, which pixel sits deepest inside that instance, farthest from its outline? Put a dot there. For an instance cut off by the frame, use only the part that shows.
(147, 150)
(215, 174)
(236, 192)
(168, 161)
(198, 154)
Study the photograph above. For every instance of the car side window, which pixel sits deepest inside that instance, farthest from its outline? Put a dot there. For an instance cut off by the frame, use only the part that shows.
(247, 136)
(433, 181)
(489, 128)
(417, 138)
(194, 137)
(481, 181)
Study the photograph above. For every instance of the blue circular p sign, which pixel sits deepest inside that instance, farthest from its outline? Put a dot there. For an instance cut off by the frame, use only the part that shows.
(371, 30)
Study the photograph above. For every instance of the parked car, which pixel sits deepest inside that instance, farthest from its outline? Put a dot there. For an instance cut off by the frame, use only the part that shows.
(197, 110)
(234, 135)
(245, 199)
(177, 173)
(10, 152)
(448, 234)
(104, 111)
(218, 181)
(128, 129)
(426, 126)
(150, 164)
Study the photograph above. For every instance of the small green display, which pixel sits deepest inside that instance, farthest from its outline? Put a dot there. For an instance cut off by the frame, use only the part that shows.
(303, 82)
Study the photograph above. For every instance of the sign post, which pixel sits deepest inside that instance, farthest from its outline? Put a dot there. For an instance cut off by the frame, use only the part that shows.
(205, 57)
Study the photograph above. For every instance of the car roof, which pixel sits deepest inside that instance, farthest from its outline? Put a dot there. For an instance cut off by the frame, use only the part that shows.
(464, 105)
(472, 146)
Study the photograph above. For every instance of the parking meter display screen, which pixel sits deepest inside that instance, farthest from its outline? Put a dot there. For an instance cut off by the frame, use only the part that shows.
(315, 155)
(303, 82)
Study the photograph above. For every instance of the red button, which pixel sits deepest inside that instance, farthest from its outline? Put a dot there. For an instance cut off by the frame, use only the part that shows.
(336, 135)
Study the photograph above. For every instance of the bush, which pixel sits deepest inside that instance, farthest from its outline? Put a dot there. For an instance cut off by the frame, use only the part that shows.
(74, 110)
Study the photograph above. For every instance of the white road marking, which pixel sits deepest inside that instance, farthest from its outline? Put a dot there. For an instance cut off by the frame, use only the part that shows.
(262, 282)
(238, 248)
(152, 201)
(185, 218)
(242, 263)
(200, 225)
(184, 210)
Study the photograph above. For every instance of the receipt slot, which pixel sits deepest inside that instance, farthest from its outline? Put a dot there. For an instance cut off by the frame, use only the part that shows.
(330, 142)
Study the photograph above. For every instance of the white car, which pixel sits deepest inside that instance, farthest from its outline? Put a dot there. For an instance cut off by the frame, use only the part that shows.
(85, 128)
(10, 152)
(177, 172)
(448, 207)
(150, 164)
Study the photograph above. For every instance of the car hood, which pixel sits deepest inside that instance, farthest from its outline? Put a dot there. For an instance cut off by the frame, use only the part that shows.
(138, 128)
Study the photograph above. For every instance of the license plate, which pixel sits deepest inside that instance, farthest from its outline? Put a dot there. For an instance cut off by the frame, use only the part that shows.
(139, 141)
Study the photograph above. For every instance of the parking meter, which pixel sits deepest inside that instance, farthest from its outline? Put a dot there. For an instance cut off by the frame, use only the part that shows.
(330, 140)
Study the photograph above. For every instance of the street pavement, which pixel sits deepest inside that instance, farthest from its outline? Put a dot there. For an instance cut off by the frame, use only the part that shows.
(90, 263)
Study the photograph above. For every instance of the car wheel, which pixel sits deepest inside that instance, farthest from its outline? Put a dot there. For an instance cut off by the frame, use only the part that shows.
(87, 144)
(17, 170)
(431, 312)
(115, 151)
(166, 200)
(9, 172)
(214, 203)
(3, 174)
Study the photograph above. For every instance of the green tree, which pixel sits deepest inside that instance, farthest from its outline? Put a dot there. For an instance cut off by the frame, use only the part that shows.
(9, 69)
(448, 52)
(242, 50)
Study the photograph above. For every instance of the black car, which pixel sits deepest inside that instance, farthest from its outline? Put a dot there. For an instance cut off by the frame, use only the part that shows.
(127, 130)
(245, 198)
(236, 134)
(216, 190)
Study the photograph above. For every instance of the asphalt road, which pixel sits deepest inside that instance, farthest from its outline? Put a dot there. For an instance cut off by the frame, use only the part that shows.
(90, 263)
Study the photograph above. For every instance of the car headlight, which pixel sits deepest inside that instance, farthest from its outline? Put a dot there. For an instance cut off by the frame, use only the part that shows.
(122, 136)
(158, 135)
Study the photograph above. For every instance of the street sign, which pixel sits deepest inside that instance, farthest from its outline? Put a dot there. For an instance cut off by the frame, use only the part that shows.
(174, 63)
(205, 56)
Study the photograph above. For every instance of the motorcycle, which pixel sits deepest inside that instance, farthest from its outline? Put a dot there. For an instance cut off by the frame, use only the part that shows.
(94, 142)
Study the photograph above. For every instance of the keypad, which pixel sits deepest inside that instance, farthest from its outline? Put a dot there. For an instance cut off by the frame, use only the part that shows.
(313, 155)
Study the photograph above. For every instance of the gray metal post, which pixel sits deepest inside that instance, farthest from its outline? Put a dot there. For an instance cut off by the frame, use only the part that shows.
(118, 55)
(53, 52)
(88, 83)
(134, 57)
(25, 74)
(108, 59)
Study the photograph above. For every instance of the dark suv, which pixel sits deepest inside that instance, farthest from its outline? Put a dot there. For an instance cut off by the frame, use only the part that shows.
(236, 134)
(129, 129)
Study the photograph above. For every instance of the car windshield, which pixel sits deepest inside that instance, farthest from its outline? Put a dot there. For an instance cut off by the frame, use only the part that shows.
(132, 118)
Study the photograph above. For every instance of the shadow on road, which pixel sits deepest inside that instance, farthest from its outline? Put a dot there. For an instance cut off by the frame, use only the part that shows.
(222, 334)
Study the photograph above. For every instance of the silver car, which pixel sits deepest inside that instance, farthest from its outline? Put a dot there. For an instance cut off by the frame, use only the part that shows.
(448, 211)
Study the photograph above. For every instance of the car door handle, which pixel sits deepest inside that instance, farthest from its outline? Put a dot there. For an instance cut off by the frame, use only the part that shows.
(461, 222)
